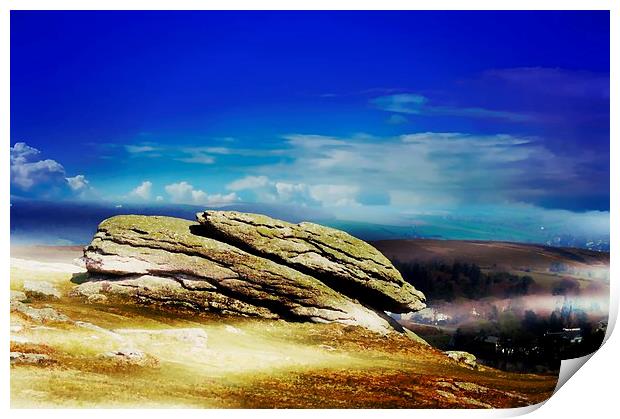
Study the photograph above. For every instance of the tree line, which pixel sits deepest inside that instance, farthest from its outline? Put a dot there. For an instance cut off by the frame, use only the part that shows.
(445, 281)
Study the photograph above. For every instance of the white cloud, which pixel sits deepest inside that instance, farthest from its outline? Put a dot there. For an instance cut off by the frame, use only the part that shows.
(142, 191)
(27, 173)
(198, 158)
(335, 195)
(248, 182)
(327, 195)
(78, 183)
(291, 192)
(179, 191)
(410, 171)
(33, 177)
(184, 193)
(159, 198)
(221, 199)
(219, 150)
(22, 152)
(137, 149)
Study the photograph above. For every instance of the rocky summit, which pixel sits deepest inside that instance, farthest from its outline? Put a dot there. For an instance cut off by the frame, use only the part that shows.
(245, 264)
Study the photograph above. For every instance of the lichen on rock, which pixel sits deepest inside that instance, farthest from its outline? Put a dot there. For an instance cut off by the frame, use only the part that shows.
(257, 267)
(345, 263)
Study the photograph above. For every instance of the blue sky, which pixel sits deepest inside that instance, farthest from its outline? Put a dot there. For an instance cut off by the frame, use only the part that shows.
(369, 115)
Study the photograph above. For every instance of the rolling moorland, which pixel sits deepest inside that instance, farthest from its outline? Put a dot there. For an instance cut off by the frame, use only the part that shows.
(71, 352)
(228, 361)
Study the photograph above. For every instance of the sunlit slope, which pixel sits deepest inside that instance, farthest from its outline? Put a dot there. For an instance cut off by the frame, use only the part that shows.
(191, 360)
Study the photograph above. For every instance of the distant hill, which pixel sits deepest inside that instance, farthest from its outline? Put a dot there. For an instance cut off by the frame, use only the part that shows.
(486, 254)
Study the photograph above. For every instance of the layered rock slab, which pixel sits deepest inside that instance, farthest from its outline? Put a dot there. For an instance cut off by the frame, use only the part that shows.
(169, 261)
(347, 264)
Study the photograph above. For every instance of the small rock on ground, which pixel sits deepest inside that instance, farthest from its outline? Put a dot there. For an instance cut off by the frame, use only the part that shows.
(29, 358)
(39, 315)
(40, 290)
(464, 358)
(18, 296)
(131, 356)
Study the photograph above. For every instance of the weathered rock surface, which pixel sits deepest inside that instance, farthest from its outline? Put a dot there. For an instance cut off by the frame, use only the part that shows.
(173, 262)
(29, 358)
(18, 296)
(40, 290)
(463, 358)
(38, 315)
(345, 263)
(131, 356)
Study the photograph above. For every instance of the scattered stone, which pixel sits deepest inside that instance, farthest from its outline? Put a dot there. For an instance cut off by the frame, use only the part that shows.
(39, 315)
(514, 395)
(96, 299)
(29, 358)
(471, 387)
(18, 296)
(447, 385)
(446, 394)
(463, 358)
(40, 290)
(475, 402)
(131, 356)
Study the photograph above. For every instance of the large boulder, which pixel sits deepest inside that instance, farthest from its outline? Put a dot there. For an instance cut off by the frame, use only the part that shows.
(168, 261)
(345, 263)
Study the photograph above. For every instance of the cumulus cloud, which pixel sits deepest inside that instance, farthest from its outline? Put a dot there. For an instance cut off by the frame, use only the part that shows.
(28, 172)
(248, 182)
(142, 191)
(335, 195)
(78, 183)
(292, 192)
(32, 176)
(185, 193)
(327, 195)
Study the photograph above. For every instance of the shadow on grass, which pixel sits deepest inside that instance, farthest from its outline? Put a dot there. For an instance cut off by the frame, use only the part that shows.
(79, 278)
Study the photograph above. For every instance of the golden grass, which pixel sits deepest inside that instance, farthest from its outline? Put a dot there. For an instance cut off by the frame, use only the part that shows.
(244, 363)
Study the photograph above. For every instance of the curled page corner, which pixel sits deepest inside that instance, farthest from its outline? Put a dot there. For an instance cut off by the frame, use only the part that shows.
(569, 367)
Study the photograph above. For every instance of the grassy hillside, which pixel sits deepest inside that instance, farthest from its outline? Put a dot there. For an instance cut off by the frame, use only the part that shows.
(190, 360)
